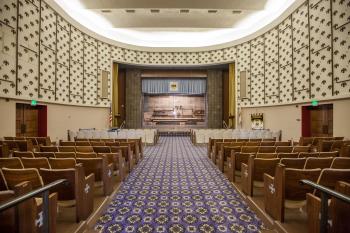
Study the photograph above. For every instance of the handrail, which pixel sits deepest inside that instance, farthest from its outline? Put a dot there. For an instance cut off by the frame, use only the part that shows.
(326, 193)
(45, 190)
(324, 189)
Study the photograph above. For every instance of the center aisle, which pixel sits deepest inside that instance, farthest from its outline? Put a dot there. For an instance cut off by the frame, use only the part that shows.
(176, 188)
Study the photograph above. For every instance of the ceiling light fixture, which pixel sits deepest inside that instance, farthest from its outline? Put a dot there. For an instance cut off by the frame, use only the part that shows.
(106, 11)
(184, 11)
(236, 11)
(212, 11)
(130, 11)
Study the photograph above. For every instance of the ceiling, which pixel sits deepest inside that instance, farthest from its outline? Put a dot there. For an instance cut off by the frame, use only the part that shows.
(174, 23)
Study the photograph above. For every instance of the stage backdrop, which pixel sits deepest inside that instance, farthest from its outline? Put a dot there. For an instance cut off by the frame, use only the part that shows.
(174, 86)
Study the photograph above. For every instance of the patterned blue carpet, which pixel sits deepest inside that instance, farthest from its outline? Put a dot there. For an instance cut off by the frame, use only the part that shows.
(176, 188)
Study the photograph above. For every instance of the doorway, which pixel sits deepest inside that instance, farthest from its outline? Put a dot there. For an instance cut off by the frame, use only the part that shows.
(317, 121)
(31, 121)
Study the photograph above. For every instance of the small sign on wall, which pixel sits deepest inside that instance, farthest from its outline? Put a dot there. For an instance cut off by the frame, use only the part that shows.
(173, 86)
(257, 120)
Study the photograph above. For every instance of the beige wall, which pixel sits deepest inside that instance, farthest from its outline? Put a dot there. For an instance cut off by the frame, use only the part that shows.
(288, 118)
(60, 118)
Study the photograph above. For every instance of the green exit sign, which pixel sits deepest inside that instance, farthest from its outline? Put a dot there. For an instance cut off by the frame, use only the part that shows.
(314, 103)
(33, 102)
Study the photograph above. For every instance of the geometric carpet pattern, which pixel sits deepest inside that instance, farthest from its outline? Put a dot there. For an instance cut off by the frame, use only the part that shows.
(176, 188)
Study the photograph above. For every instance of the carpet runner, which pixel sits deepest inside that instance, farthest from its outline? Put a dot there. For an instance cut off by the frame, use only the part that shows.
(176, 188)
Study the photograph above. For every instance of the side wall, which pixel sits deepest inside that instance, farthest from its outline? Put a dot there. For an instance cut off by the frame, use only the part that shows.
(60, 118)
(288, 118)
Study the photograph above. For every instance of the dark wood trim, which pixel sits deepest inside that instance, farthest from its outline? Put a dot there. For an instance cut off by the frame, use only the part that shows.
(17, 45)
(5, 24)
(278, 65)
(56, 60)
(264, 57)
(69, 62)
(308, 28)
(292, 35)
(39, 53)
(332, 49)
(250, 71)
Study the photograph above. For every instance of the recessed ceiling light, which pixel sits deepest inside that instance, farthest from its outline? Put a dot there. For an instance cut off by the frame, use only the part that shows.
(155, 10)
(130, 11)
(106, 11)
(212, 11)
(236, 12)
(184, 11)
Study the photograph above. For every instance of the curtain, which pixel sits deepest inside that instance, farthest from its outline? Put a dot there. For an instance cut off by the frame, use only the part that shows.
(180, 86)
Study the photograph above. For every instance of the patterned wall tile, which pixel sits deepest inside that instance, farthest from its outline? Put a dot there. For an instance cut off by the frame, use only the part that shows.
(28, 26)
(130, 56)
(285, 61)
(230, 54)
(142, 57)
(257, 70)
(76, 82)
(204, 57)
(192, 58)
(167, 58)
(321, 54)
(27, 73)
(341, 47)
(7, 61)
(76, 45)
(62, 83)
(117, 54)
(104, 63)
(48, 26)
(271, 67)
(8, 12)
(155, 58)
(301, 53)
(47, 73)
(180, 58)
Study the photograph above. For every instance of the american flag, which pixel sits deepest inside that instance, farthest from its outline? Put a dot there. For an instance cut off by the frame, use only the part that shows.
(110, 116)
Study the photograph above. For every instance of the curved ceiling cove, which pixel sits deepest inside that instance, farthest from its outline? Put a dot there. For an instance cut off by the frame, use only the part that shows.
(168, 23)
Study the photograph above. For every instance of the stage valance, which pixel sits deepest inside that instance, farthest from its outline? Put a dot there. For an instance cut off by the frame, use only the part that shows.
(174, 86)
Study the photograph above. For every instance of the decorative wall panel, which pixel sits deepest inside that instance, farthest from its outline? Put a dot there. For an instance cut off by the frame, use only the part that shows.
(307, 56)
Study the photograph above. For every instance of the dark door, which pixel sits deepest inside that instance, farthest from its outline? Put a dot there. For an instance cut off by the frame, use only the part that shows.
(317, 121)
(31, 121)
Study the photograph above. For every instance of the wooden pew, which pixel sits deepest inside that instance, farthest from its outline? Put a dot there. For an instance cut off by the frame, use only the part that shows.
(289, 143)
(21, 154)
(66, 148)
(284, 190)
(35, 163)
(284, 149)
(29, 212)
(252, 173)
(118, 162)
(101, 149)
(318, 163)
(341, 163)
(48, 149)
(301, 149)
(78, 191)
(82, 143)
(44, 154)
(14, 163)
(85, 149)
(97, 143)
(126, 153)
(15, 177)
(4, 151)
(63, 155)
(339, 210)
(297, 163)
(267, 143)
(85, 155)
(288, 155)
(234, 166)
(101, 169)
(67, 143)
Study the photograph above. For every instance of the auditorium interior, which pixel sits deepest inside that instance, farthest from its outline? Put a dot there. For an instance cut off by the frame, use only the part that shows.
(174, 116)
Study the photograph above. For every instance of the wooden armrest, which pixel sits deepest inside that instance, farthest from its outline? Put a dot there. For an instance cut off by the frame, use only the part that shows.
(313, 208)
(273, 198)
